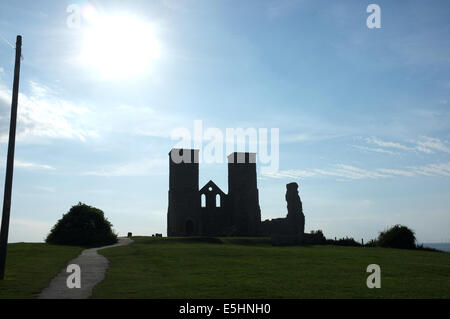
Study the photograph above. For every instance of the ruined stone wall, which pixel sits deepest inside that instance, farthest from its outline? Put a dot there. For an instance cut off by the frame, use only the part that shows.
(294, 223)
(237, 214)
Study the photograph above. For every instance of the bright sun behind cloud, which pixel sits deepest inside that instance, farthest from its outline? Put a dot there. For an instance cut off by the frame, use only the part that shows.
(119, 46)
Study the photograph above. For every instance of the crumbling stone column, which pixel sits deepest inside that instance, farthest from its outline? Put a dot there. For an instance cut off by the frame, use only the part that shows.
(295, 217)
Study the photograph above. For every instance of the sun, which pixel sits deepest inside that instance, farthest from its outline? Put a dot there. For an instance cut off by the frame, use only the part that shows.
(119, 46)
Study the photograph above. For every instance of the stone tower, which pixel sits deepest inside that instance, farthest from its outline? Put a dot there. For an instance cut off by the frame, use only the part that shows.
(243, 202)
(183, 215)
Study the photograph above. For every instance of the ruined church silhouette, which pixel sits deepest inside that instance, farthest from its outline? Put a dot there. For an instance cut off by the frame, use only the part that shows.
(208, 211)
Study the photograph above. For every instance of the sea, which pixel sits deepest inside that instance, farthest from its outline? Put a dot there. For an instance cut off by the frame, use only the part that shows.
(439, 246)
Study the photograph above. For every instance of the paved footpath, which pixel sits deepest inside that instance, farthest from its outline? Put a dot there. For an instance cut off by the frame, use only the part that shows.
(93, 267)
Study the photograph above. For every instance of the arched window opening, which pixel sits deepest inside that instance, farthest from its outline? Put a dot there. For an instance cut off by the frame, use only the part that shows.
(203, 200)
(218, 204)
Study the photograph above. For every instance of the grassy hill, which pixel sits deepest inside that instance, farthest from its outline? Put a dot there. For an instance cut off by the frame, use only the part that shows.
(252, 268)
(31, 266)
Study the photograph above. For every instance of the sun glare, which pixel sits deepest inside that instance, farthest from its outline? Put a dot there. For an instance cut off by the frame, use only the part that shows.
(119, 46)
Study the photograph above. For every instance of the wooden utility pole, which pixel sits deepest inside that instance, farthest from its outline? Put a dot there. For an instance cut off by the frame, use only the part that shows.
(10, 160)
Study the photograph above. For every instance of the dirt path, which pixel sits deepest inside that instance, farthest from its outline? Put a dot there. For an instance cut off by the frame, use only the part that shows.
(93, 268)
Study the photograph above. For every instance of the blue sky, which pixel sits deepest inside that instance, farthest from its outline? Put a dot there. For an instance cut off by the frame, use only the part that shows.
(363, 114)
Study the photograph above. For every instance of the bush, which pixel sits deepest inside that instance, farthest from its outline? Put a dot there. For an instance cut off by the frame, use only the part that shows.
(313, 238)
(343, 242)
(371, 243)
(397, 236)
(83, 225)
(316, 237)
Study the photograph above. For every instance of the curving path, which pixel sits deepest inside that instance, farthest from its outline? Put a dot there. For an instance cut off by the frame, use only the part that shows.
(93, 267)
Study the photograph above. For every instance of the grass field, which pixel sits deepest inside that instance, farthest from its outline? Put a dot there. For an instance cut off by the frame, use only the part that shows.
(31, 266)
(251, 268)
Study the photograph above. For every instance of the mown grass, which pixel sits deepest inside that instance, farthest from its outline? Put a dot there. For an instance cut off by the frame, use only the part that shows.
(31, 266)
(252, 268)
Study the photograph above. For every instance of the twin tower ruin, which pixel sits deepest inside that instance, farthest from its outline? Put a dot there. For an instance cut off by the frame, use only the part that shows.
(208, 211)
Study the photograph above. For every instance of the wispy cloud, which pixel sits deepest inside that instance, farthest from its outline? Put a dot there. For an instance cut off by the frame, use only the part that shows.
(349, 172)
(338, 170)
(396, 172)
(430, 145)
(388, 144)
(27, 165)
(42, 113)
(424, 144)
(138, 121)
(440, 169)
(373, 149)
(30, 165)
(143, 167)
(292, 173)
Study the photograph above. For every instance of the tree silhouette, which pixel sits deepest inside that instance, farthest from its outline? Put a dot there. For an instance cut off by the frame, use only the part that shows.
(83, 225)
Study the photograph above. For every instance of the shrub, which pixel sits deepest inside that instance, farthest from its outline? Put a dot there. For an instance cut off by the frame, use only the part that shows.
(397, 236)
(316, 237)
(83, 225)
(313, 238)
(371, 243)
(343, 242)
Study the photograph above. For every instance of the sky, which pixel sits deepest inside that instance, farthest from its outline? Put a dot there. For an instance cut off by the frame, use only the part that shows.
(363, 114)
